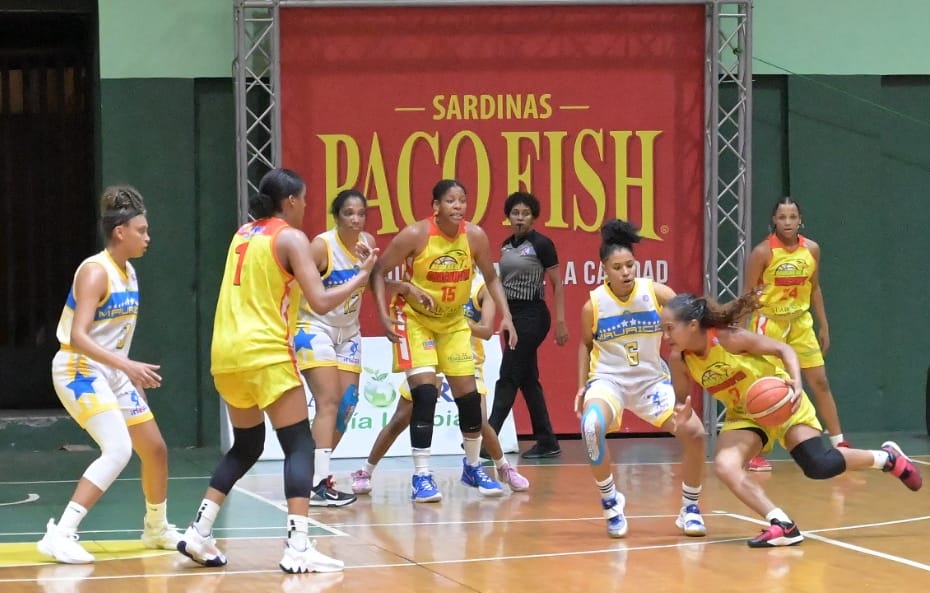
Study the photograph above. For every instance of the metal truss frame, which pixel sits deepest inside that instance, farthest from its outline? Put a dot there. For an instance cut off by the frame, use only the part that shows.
(727, 121)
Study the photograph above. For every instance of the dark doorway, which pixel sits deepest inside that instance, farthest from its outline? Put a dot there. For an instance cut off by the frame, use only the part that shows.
(48, 82)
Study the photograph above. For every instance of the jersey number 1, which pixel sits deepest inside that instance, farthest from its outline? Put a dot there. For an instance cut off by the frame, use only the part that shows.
(240, 251)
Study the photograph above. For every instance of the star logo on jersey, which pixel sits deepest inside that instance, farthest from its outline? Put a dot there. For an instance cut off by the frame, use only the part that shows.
(81, 384)
(303, 340)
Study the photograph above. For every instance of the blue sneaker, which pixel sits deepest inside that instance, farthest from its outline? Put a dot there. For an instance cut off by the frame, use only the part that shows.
(425, 489)
(690, 521)
(474, 476)
(613, 512)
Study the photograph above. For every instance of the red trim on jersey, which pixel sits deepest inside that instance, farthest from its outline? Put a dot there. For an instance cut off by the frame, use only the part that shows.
(402, 353)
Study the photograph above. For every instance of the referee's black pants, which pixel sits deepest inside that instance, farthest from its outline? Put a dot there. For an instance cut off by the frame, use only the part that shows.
(520, 370)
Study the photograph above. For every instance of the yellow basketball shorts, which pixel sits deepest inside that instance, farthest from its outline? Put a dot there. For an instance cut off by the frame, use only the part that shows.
(797, 332)
(257, 387)
(443, 345)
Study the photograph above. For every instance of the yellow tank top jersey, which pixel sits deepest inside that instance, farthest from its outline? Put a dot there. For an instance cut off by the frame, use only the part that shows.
(257, 308)
(787, 280)
(444, 271)
(727, 376)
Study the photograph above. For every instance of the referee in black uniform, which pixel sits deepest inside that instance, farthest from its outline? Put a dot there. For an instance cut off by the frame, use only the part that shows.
(527, 257)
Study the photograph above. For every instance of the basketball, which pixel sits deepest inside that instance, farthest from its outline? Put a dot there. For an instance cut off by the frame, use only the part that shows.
(768, 401)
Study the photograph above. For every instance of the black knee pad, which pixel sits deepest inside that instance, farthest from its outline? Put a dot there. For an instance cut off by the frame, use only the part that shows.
(421, 418)
(247, 447)
(298, 446)
(469, 412)
(818, 462)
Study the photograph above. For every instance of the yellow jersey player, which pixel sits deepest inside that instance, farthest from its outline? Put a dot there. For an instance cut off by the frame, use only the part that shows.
(439, 254)
(254, 367)
(480, 312)
(785, 267)
(725, 360)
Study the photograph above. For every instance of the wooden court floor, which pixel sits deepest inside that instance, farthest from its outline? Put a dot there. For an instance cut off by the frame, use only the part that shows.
(865, 531)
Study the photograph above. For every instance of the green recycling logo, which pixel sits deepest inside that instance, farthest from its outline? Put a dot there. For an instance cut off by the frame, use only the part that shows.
(377, 391)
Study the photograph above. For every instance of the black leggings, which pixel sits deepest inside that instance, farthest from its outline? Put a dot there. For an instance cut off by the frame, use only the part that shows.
(520, 370)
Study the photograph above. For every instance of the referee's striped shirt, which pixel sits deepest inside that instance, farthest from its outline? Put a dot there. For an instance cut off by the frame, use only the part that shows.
(523, 265)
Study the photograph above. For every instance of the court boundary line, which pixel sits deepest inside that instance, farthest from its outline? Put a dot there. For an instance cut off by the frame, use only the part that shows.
(195, 571)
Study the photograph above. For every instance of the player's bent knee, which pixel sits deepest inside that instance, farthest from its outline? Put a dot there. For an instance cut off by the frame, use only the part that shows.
(470, 416)
(297, 443)
(114, 457)
(593, 431)
(421, 416)
(817, 461)
(247, 447)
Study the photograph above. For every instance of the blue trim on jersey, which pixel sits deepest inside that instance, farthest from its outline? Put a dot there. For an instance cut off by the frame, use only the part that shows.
(119, 304)
(71, 303)
(627, 324)
(472, 312)
(339, 277)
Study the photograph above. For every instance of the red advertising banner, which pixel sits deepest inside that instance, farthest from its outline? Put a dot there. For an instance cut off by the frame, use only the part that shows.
(597, 110)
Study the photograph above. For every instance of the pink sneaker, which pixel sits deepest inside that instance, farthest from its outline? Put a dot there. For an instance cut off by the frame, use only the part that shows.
(507, 473)
(361, 482)
(759, 464)
(900, 466)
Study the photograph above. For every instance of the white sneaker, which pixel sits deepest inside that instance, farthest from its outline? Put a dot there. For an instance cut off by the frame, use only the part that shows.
(201, 549)
(63, 546)
(309, 560)
(691, 522)
(613, 513)
(161, 537)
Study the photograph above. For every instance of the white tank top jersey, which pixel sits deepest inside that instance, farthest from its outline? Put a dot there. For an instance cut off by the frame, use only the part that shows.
(341, 266)
(115, 318)
(627, 337)
(473, 312)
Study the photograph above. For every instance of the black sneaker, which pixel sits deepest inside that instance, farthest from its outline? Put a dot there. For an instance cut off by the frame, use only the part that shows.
(537, 452)
(325, 495)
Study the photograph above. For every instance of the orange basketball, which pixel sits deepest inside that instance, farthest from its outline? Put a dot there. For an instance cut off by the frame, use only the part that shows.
(768, 401)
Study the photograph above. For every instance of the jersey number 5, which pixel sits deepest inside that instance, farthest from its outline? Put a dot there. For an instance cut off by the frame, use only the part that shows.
(240, 251)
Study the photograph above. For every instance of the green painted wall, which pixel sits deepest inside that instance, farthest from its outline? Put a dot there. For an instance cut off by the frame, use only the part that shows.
(174, 140)
(195, 38)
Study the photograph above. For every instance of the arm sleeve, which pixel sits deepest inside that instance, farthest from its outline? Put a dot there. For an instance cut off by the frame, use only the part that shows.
(545, 251)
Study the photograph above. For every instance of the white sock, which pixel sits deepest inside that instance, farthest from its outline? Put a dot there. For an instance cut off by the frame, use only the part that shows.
(71, 517)
(837, 439)
(420, 461)
(607, 488)
(370, 467)
(500, 463)
(689, 494)
(779, 514)
(880, 459)
(156, 514)
(206, 515)
(321, 464)
(297, 537)
(472, 450)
